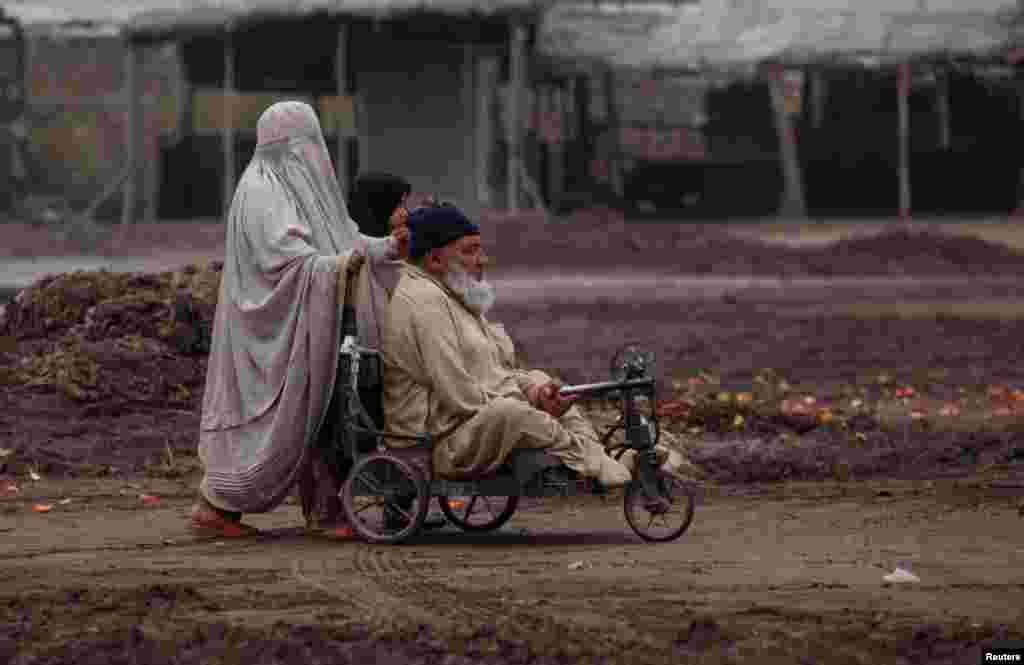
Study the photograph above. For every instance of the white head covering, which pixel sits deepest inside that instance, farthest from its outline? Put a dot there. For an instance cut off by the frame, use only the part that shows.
(291, 153)
(277, 327)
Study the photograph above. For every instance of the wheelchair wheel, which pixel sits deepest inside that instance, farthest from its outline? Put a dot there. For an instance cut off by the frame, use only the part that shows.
(479, 513)
(385, 499)
(655, 525)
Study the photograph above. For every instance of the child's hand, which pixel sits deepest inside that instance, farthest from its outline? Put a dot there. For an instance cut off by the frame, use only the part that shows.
(355, 261)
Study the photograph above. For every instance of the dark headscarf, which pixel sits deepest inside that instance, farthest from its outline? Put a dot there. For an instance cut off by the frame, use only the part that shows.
(374, 197)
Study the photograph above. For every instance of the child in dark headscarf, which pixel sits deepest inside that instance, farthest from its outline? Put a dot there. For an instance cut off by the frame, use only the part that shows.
(377, 203)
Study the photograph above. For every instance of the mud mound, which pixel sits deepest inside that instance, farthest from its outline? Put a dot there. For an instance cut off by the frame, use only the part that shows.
(98, 335)
(100, 304)
(906, 252)
(824, 454)
(104, 371)
(604, 240)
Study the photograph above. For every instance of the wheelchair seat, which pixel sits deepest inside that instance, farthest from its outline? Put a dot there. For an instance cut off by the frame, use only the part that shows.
(522, 463)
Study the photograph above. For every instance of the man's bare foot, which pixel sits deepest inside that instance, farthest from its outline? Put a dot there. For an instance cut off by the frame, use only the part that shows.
(613, 474)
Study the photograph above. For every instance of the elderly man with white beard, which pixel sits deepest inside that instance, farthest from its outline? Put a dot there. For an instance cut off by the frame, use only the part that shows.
(450, 372)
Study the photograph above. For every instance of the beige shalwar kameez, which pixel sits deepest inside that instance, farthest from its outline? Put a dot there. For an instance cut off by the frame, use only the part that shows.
(450, 372)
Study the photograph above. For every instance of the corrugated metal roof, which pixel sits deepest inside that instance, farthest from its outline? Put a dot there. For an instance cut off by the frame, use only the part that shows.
(133, 16)
(722, 33)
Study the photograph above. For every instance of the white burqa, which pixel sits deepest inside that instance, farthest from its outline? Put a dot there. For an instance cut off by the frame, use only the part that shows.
(277, 327)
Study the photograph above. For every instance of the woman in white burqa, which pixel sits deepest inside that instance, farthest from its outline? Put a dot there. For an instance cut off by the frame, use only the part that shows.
(277, 328)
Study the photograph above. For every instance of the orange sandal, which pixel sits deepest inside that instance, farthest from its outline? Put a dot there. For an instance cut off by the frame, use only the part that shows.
(333, 529)
(343, 532)
(205, 522)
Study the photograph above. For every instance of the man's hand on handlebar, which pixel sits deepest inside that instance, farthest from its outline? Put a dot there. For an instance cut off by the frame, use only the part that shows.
(546, 398)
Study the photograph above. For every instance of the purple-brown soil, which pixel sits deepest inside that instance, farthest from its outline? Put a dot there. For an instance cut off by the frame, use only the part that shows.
(774, 569)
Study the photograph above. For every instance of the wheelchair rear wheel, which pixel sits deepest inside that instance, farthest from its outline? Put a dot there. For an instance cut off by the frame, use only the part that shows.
(656, 525)
(385, 499)
(478, 513)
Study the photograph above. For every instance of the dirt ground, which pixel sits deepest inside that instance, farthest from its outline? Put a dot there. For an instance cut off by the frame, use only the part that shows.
(800, 516)
(784, 574)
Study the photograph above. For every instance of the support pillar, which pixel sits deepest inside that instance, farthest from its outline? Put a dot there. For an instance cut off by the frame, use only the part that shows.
(227, 126)
(468, 99)
(793, 205)
(487, 72)
(514, 131)
(556, 149)
(903, 93)
(612, 109)
(362, 131)
(342, 89)
(819, 94)
(151, 174)
(583, 134)
(134, 135)
(1014, 58)
(942, 105)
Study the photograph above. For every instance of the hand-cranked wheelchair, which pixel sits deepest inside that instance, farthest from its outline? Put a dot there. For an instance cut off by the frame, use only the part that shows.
(387, 489)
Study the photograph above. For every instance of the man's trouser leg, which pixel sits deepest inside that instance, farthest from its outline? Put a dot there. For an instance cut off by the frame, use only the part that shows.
(481, 444)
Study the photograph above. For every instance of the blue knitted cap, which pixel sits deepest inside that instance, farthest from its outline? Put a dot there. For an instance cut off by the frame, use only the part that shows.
(436, 226)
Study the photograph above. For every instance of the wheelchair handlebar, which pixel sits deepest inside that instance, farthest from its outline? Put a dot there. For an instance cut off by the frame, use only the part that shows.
(606, 387)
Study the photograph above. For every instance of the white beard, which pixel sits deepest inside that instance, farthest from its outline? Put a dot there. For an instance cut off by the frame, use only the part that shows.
(477, 294)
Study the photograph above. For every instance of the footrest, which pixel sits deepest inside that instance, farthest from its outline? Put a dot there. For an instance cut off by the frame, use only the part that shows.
(525, 463)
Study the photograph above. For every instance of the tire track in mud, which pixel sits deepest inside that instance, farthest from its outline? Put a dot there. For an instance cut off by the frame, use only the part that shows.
(391, 569)
(399, 582)
(386, 584)
(388, 569)
(362, 584)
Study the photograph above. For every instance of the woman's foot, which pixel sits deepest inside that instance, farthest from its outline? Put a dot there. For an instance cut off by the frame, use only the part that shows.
(334, 528)
(208, 520)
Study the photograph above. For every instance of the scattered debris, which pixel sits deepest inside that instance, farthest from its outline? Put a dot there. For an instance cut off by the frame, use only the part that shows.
(901, 576)
(950, 410)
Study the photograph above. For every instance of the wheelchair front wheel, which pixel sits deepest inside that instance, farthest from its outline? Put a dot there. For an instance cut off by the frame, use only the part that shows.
(385, 499)
(479, 513)
(657, 525)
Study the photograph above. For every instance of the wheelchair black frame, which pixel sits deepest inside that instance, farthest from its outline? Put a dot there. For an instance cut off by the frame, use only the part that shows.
(356, 423)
